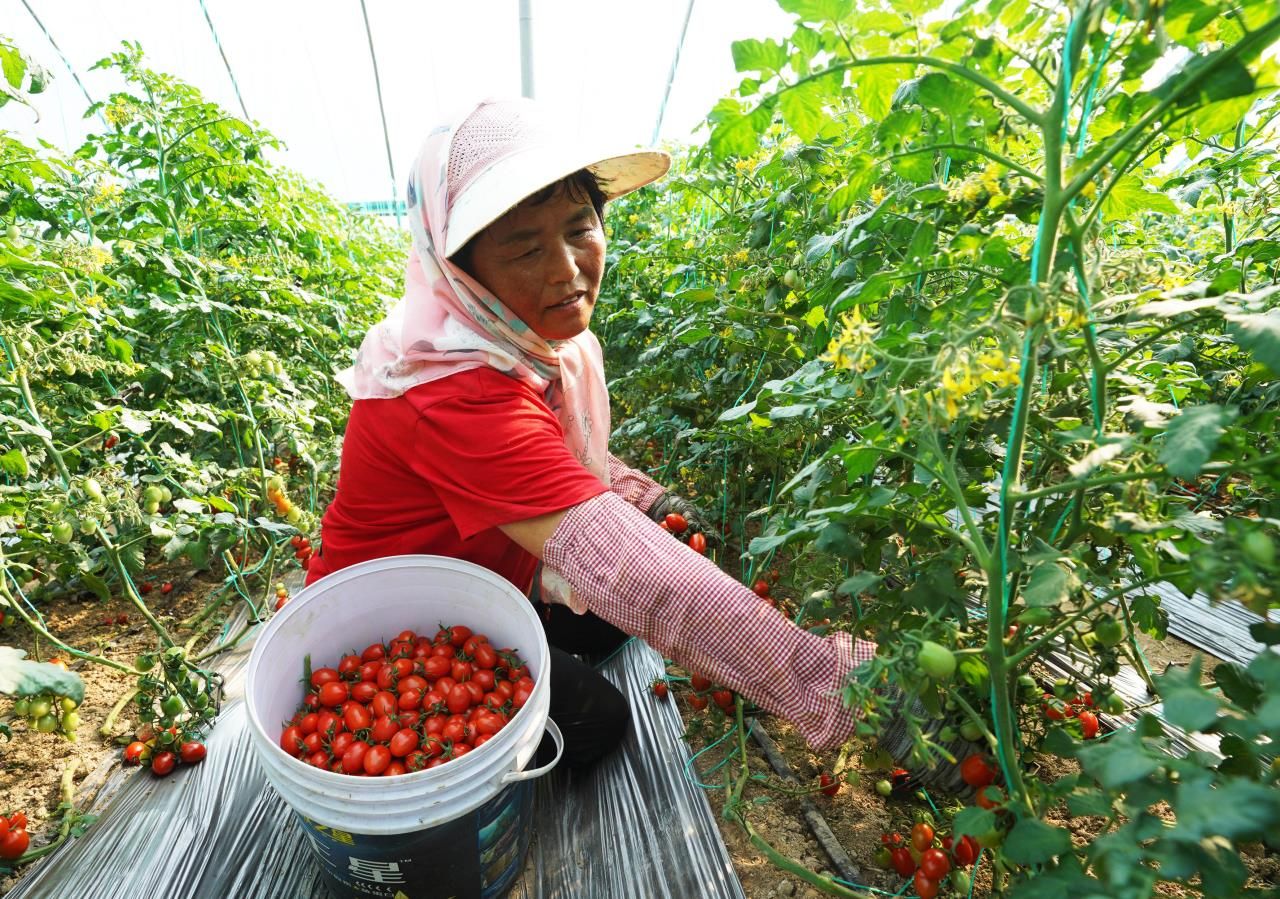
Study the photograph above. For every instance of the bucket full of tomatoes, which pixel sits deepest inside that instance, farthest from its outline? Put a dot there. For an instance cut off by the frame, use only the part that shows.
(396, 706)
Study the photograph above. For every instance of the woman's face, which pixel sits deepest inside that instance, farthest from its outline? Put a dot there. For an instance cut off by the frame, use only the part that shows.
(545, 263)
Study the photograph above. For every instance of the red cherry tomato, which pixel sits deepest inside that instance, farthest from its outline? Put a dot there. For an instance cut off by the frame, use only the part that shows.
(935, 864)
(966, 851)
(676, 523)
(902, 861)
(698, 543)
(1088, 724)
(976, 772)
(192, 751)
(926, 887)
(14, 843)
(162, 765)
(921, 836)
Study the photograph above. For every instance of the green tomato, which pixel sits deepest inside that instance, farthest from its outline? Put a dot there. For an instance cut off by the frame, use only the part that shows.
(68, 704)
(947, 734)
(936, 660)
(883, 787)
(62, 532)
(92, 489)
(166, 495)
(145, 662)
(1113, 704)
(70, 721)
(960, 881)
(1109, 632)
(88, 525)
(46, 724)
(38, 708)
(172, 705)
(971, 731)
(201, 702)
(1259, 549)
(22, 708)
(791, 278)
(12, 233)
(152, 495)
(150, 508)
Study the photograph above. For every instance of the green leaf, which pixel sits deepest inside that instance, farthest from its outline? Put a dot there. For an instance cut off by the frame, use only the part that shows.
(1120, 761)
(874, 87)
(737, 412)
(1089, 802)
(759, 56)
(859, 583)
(1260, 335)
(1130, 196)
(97, 585)
(974, 821)
(1187, 705)
(737, 133)
(821, 11)
(802, 109)
(14, 463)
(943, 93)
(21, 677)
(1050, 584)
(120, 349)
(1192, 437)
(1033, 842)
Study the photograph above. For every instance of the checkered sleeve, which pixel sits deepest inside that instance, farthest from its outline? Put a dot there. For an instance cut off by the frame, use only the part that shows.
(635, 576)
(636, 487)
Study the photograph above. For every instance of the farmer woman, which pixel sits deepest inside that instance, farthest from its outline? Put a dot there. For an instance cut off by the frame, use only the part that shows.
(480, 431)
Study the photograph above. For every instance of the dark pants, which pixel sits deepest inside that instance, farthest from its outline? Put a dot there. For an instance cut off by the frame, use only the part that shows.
(591, 712)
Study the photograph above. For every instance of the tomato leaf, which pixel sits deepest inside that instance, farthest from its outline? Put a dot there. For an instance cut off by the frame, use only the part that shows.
(973, 821)
(1260, 335)
(1050, 584)
(759, 56)
(14, 463)
(1033, 842)
(21, 677)
(1192, 437)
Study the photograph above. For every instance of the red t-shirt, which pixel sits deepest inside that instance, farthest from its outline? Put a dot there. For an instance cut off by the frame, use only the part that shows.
(438, 469)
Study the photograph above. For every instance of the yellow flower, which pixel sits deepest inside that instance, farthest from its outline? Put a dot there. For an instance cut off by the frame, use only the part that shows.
(849, 350)
(106, 193)
(632, 219)
(689, 244)
(878, 194)
(118, 113)
(740, 256)
(742, 166)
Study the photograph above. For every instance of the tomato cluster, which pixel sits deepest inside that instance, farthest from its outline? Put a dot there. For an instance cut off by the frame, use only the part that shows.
(929, 859)
(47, 713)
(13, 835)
(679, 527)
(302, 550)
(163, 750)
(704, 689)
(413, 703)
(283, 505)
(761, 588)
(282, 595)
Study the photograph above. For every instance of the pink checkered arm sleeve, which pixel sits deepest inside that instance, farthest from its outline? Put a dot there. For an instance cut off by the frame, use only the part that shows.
(636, 487)
(635, 576)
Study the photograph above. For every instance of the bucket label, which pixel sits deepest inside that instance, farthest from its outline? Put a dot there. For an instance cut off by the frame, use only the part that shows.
(475, 856)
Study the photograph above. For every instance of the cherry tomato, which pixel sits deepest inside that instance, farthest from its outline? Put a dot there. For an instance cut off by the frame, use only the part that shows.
(699, 682)
(902, 861)
(989, 797)
(926, 887)
(976, 772)
(922, 837)
(403, 742)
(353, 757)
(334, 694)
(384, 728)
(485, 656)
(760, 588)
(935, 864)
(698, 702)
(364, 691)
(192, 751)
(162, 765)
(966, 851)
(383, 703)
(436, 667)
(135, 753)
(698, 543)
(830, 786)
(18, 820)
(14, 843)
(376, 760)
(1088, 724)
(676, 523)
(660, 688)
(322, 676)
(356, 716)
(290, 741)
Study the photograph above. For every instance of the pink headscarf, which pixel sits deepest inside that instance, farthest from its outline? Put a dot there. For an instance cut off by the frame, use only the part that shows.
(447, 322)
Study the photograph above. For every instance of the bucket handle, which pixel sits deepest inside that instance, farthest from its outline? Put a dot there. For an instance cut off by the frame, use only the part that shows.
(513, 776)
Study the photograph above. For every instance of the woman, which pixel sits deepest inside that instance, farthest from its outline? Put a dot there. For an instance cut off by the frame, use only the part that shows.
(480, 425)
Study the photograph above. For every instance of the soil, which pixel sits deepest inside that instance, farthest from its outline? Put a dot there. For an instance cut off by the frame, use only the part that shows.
(32, 764)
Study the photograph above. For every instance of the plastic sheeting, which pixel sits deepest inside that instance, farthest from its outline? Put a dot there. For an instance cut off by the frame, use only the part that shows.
(634, 826)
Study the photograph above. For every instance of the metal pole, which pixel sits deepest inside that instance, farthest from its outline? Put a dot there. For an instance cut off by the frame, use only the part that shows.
(675, 64)
(526, 49)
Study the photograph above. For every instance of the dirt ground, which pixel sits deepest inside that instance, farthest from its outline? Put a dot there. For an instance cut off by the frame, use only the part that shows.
(32, 764)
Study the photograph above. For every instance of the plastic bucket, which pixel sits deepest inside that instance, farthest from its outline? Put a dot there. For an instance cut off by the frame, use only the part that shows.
(459, 830)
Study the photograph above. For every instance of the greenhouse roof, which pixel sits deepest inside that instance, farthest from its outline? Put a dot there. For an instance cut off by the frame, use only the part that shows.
(305, 70)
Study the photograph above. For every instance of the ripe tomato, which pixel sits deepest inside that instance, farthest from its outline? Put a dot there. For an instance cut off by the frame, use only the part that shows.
(976, 772)
(376, 760)
(334, 694)
(521, 696)
(409, 701)
(1088, 724)
(926, 887)
(436, 667)
(341, 743)
(364, 691)
(698, 702)
(322, 676)
(830, 786)
(484, 678)
(660, 688)
(454, 730)
(135, 753)
(373, 652)
(162, 765)
(18, 821)
(356, 716)
(902, 861)
(395, 769)
(383, 703)
(989, 797)
(485, 656)
(166, 587)
(290, 742)
(312, 742)
(760, 588)
(384, 728)
(353, 757)
(676, 523)
(698, 543)
(921, 836)
(935, 864)
(699, 683)
(403, 742)
(458, 699)
(966, 851)
(192, 751)
(14, 843)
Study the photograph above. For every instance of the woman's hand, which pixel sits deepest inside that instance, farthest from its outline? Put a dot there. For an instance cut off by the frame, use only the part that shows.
(669, 503)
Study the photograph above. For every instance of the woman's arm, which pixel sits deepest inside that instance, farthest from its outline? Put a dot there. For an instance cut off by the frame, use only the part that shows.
(635, 576)
(634, 486)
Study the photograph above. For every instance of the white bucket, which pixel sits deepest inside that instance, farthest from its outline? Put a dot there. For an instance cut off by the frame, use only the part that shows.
(368, 603)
